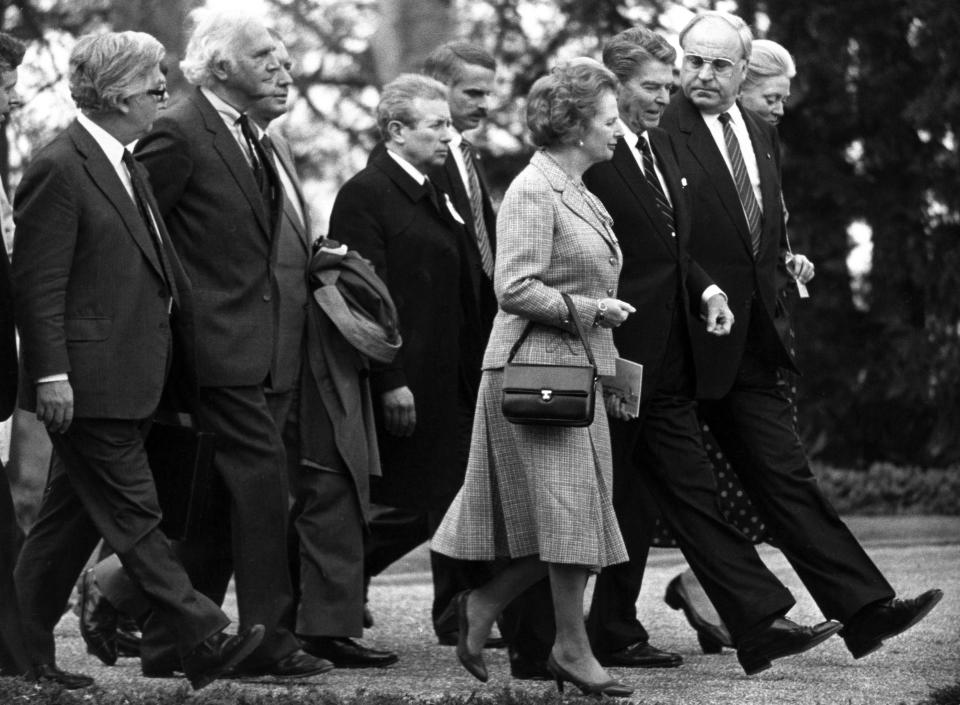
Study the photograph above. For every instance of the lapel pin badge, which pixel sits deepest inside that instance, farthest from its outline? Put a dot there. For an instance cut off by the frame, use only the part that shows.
(683, 181)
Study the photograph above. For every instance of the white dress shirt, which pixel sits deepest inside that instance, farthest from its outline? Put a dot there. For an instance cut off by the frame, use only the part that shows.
(746, 146)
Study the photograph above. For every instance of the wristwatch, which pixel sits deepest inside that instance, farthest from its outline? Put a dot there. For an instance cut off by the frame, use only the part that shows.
(601, 313)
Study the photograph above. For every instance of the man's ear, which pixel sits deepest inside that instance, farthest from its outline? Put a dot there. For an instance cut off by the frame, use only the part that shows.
(395, 130)
(221, 69)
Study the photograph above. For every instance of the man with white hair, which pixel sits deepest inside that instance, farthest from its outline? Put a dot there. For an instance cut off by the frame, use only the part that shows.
(221, 198)
(97, 289)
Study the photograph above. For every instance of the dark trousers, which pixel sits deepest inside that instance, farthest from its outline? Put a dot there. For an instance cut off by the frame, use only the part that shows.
(753, 424)
(325, 538)
(100, 485)
(663, 449)
(245, 521)
(13, 650)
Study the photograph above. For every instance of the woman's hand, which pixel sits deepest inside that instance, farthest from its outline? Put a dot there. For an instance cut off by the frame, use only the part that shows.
(615, 406)
(614, 312)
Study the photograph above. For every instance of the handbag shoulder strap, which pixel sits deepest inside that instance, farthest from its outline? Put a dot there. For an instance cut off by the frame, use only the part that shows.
(576, 323)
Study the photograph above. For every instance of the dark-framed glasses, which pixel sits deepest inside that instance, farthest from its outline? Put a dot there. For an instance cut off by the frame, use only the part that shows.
(721, 66)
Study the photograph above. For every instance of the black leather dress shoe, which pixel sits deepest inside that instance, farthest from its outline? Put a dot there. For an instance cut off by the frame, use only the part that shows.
(868, 628)
(640, 654)
(98, 620)
(344, 652)
(528, 668)
(712, 637)
(781, 638)
(299, 664)
(70, 681)
(128, 643)
(218, 654)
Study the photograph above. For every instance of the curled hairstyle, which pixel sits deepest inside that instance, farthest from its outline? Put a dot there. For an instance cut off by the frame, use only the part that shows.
(627, 52)
(446, 62)
(742, 29)
(768, 59)
(217, 36)
(106, 68)
(396, 99)
(562, 103)
(11, 52)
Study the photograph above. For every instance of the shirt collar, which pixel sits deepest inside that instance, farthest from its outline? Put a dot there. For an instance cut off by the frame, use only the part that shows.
(455, 138)
(633, 138)
(226, 111)
(415, 173)
(108, 143)
(736, 117)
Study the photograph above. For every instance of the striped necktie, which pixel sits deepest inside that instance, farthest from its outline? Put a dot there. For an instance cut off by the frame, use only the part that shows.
(650, 173)
(748, 200)
(476, 209)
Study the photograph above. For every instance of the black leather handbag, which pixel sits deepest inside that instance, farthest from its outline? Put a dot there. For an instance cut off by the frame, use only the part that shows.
(550, 395)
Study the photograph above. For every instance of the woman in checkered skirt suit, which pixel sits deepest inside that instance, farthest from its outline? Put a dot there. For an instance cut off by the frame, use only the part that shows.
(541, 494)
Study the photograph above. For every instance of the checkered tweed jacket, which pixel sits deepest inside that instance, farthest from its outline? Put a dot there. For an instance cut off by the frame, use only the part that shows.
(539, 490)
(553, 237)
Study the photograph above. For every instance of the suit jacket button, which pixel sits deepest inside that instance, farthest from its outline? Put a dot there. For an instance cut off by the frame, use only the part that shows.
(267, 297)
(609, 292)
(613, 260)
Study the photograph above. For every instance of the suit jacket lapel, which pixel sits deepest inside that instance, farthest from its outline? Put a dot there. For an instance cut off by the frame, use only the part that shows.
(625, 163)
(573, 198)
(105, 178)
(769, 179)
(676, 184)
(704, 149)
(282, 150)
(226, 146)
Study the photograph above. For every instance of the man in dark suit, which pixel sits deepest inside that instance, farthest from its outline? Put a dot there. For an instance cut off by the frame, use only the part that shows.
(330, 494)
(96, 284)
(731, 160)
(394, 215)
(221, 199)
(659, 455)
(400, 524)
(13, 652)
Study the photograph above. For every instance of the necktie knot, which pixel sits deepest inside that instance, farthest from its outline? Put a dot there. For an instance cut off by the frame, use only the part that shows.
(724, 118)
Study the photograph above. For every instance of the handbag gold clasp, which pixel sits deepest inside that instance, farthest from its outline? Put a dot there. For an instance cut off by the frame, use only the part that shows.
(546, 394)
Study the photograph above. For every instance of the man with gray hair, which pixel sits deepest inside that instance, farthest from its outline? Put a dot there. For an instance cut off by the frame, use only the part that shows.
(221, 198)
(97, 289)
(731, 159)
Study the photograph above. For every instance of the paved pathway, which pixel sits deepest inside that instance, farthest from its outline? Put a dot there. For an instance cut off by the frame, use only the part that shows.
(915, 554)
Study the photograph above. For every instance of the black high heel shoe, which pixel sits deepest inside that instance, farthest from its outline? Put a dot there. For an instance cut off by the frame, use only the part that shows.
(712, 637)
(472, 662)
(613, 688)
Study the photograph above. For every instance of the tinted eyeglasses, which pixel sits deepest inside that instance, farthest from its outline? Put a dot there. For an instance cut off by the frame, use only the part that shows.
(721, 66)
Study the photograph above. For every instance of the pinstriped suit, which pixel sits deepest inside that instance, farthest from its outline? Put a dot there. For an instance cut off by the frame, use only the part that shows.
(551, 494)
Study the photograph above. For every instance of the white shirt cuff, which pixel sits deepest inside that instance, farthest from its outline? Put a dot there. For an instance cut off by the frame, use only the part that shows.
(710, 291)
(62, 377)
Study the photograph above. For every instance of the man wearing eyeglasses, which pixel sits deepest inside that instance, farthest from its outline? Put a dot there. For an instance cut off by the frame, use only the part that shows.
(731, 159)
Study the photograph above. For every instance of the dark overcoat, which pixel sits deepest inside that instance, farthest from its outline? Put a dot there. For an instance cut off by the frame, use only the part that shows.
(417, 249)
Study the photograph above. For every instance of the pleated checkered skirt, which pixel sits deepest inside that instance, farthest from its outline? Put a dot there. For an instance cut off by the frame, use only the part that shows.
(533, 490)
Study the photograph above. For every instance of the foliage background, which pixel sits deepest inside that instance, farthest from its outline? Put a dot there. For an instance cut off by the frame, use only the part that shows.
(871, 173)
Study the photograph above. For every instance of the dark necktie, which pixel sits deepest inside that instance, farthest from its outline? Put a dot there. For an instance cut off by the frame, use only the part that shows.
(261, 158)
(476, 209)
(432, 194)
(663, 205)
(140, 190)
(741, 178)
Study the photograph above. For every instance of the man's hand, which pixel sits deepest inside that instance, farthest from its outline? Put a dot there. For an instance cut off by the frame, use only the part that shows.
(801, 268)
(719, 316)
(399, 411)
(55, 405)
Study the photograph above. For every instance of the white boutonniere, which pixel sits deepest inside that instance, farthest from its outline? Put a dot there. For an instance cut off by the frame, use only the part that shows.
(453, 211)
